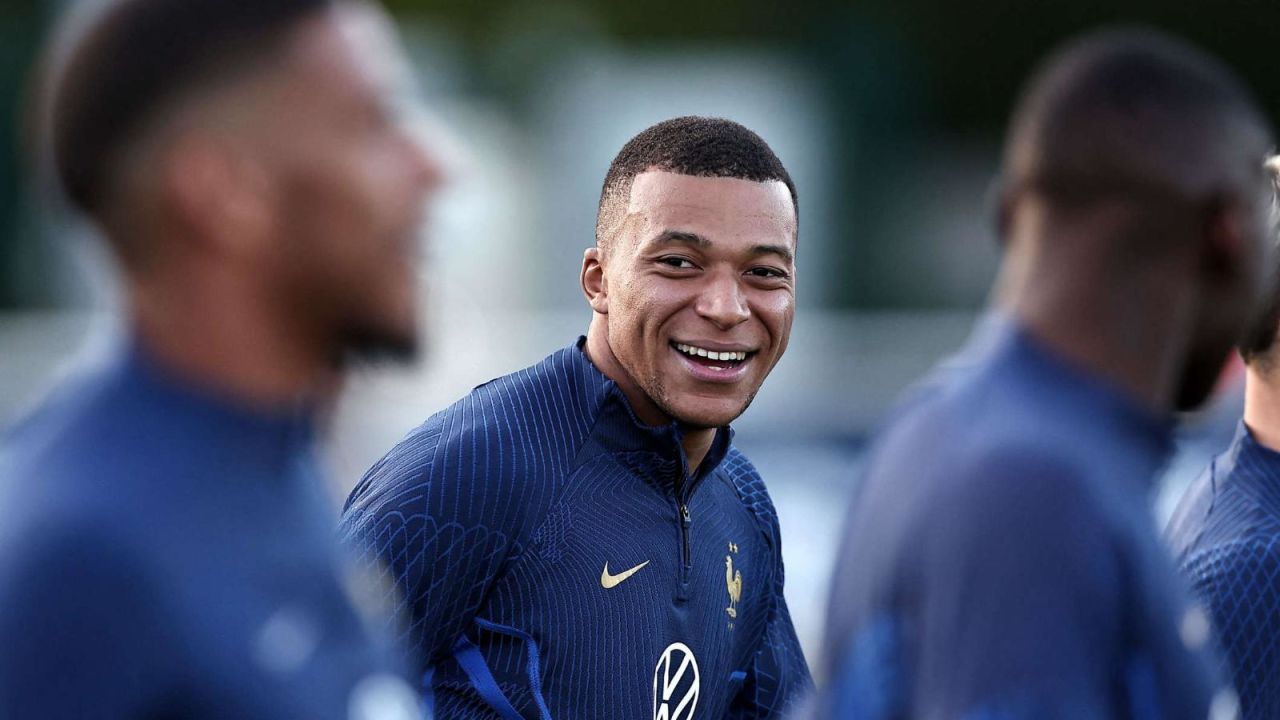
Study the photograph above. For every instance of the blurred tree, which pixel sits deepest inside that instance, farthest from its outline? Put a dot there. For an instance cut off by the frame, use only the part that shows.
(19, 33)
(901, 75)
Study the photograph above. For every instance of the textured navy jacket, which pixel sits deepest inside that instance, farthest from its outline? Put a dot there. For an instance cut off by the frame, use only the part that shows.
(556, 559)
(165, 553)
(1001, 560)
(1225, 535)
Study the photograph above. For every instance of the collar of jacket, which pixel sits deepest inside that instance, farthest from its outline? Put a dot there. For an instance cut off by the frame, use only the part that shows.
(620, 432)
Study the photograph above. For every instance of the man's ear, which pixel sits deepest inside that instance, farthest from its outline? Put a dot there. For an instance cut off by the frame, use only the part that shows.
(595, 286)
(219, 192)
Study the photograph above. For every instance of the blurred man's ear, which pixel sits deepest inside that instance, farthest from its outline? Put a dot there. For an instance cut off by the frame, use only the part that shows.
(1228, 236)
(594, 284)
(220, 193)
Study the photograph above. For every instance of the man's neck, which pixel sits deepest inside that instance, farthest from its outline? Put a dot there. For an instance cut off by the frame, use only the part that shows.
(1133, 332)
(697, 443)
(231, 346)
(1262, 404)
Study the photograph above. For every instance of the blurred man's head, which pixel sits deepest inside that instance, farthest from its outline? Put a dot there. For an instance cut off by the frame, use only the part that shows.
(1258, 347)
(1156, 150)
(692, 280)
(253, 140)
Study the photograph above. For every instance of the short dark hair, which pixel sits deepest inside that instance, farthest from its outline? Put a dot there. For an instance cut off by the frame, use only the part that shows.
(691, 145)
(1139, 116)
(132, 60)
(1260, 337)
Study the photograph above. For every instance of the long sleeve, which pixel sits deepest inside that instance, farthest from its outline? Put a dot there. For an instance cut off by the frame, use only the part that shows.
(779, 675)
(1240, 584)
(423, 521)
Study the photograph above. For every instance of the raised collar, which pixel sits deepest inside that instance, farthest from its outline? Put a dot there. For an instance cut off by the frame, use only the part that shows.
(1095, 403)
(261, 432)
(1253, 464)
(617, 429)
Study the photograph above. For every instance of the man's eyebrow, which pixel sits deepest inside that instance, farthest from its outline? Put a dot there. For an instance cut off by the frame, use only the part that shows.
(781, 251)
(680, 237)
(684, 237)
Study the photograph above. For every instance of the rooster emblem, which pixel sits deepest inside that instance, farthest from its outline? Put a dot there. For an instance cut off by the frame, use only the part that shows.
(734, 581)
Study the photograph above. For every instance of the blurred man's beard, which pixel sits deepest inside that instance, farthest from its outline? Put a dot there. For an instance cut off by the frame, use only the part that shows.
(1199, 378)
(1260, 336)
(362, 344)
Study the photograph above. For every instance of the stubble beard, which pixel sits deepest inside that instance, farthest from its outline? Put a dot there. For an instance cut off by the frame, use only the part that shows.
(359, 345)
(658, 395)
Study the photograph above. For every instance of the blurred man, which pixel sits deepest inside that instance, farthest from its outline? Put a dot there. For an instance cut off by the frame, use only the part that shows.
(1000, 559)
(580, 539)
(1225, 530)
(165, 545)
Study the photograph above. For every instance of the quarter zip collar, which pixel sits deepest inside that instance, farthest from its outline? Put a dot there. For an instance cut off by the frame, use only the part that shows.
(1251, 466)
(617, 429)
(1098, 405)
(269, 435)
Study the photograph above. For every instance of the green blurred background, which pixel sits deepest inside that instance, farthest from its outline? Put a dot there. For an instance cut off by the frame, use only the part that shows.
(911, 98)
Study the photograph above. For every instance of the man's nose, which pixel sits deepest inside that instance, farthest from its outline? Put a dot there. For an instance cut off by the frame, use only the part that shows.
(723, 302)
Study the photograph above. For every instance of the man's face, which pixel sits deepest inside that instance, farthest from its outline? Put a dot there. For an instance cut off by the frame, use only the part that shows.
(701, 291)
(351, 182)
(1233, 298)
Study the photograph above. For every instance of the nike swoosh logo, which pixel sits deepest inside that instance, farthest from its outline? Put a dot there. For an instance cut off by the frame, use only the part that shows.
(609, 581)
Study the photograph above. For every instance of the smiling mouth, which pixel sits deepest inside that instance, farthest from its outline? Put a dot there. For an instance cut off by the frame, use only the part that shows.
(726, 360)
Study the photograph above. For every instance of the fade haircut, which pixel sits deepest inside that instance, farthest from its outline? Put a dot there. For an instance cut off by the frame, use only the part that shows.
(1136, 116)
(117, 67)
(1259, 340)
(692, 145)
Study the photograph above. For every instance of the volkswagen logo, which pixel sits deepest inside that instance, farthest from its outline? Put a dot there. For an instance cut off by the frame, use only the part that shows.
(675, 684)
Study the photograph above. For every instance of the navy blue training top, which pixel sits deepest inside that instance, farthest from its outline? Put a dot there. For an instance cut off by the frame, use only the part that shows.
(165, 553)
(556, 559)
(1000, 559)
(1225, 535)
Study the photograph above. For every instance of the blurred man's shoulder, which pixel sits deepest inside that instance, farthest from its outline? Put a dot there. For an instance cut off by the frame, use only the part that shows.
(54, 529)
(955, 455)
(65, 436)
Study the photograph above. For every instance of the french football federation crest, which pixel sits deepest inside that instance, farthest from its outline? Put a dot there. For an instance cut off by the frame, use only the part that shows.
(675, 684)
(734, 581)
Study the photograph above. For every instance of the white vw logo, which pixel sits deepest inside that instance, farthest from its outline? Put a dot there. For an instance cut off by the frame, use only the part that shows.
(675, 684)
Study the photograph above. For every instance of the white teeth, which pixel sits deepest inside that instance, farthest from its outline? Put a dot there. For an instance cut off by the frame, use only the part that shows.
(711, 354)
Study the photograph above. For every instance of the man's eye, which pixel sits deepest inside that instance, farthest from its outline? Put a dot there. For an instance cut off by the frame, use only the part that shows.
(766, 272)
(676, 262)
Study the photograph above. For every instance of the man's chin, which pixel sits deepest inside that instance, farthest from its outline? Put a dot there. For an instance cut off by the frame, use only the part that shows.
(704, 416)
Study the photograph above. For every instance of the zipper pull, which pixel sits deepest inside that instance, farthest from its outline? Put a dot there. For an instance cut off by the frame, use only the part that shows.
(684, 528)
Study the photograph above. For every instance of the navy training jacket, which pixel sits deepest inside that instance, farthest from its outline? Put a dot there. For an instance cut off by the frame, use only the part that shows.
(553, 557)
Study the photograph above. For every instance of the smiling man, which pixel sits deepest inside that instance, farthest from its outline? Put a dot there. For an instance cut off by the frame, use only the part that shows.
(580, 538)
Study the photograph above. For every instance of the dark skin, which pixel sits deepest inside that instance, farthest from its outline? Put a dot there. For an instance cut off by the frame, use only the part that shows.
(1158, 325)
(699, 262)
